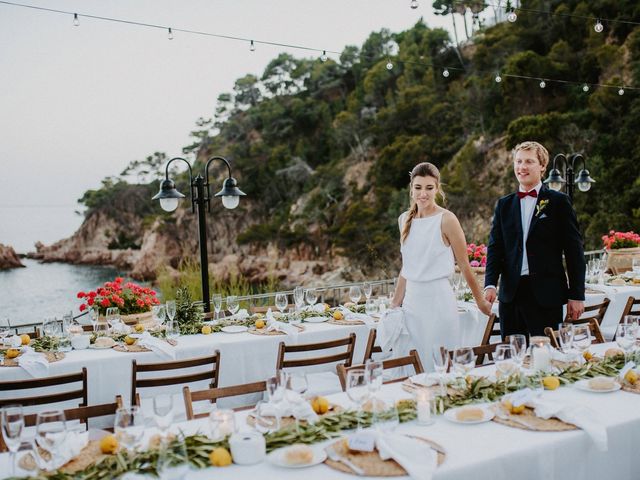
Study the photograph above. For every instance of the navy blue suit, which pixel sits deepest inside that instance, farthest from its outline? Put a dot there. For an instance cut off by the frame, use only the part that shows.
(530, 303)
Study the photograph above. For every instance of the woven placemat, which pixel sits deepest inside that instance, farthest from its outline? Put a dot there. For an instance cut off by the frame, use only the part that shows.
(345, 322)
(50, 356)
(627, 387)
(289, 421)
(138, 348)
(371, 462)
(264, 331)
(89, 455)
(527, 420)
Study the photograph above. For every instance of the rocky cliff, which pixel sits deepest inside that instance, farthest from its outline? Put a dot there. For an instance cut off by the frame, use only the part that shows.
(9, 258)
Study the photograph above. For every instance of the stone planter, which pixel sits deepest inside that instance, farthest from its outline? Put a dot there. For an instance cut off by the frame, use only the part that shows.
(620, 260)
(134, 318)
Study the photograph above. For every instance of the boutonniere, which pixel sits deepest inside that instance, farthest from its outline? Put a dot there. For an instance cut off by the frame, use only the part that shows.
(541, 206)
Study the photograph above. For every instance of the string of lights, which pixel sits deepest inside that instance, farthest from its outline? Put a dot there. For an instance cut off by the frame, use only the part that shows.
(445, 69)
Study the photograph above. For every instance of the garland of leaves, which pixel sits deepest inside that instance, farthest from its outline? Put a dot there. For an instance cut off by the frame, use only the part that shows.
(45, 344)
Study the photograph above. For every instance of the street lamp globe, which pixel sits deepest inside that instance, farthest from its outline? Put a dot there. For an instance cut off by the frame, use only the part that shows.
(555, 180)
(584, 180)
(230, 201)
(168, 195)
(230, 193)
(169, 204)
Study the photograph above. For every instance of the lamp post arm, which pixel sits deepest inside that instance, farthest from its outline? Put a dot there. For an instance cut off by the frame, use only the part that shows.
(559, 156)
(578, 157)
(193, 197)
(206, 176)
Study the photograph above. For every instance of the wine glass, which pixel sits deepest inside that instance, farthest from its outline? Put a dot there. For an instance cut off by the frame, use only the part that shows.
(265, 421)
(298, 297)
(173, 330)
(625, 338)
(355, 293)
(371, 308)
(635, 266)
(367, 290)
(440, 357)
(385, 419)
(171, 309)
(581, 337)
(5, 329)
(281, 301)
(94, 316)
(232, 304)
(296, 386)
(222, 423)
(163, 411)
(216, 299)
(173, 460)
(566, 332)
(519, 344)
(463, 360)
(311, 296)
(159, 313)
(12, 426)
(357, 389)
(129, 426)
(50, 327)
(51, 433)
(505, 358)
(374, 372)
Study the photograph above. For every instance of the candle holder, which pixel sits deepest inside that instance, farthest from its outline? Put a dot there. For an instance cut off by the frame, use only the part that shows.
(222, 423)
(425, 406)
(540, 354)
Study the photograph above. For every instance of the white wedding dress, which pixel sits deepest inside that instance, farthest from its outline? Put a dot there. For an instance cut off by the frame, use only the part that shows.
(429, 304)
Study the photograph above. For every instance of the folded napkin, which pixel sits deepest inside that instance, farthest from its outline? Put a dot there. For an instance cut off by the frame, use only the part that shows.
(293, 405)
(121, 328)
(317, 308)
(66, 445)
(415, 456)
(274, 325)
(568, 357)
(156, 345)
(349, 315)
(431, 379)
(14, 341)
(35, 363)
(242, 314)
(392, 334)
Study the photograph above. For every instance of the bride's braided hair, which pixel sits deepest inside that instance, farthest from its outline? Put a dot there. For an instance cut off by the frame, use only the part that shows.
(424, 169)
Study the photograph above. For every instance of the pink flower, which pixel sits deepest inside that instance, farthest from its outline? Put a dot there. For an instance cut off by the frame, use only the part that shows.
(474, 263)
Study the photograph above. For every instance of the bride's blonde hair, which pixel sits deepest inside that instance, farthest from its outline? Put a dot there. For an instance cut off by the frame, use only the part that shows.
(424, 169)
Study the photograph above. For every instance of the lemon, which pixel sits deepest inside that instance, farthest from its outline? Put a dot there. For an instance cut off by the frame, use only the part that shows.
(587, 355)
(631, 376)
(338, 315)
(109, 445)
(220, 457)
(139, 328)
(12, 353)
(320, 405)
(25, 339)
(206, 329)
(326, 307)
(551, 383)
(515, 410)
(613, 352)
(259, 323)
(129, 341)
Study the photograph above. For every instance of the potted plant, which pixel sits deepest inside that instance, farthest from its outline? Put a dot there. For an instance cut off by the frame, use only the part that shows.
(621, 248)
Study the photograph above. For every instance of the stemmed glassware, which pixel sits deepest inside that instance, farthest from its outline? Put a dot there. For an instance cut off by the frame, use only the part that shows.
(298, 297)
(171, 310)
(566, 331)
(440, 357)
(51, 433)
(94, 317)
(12, 426)
(216, 299)
(385, 419)
(276, 387)
(635, 266)
(296, 383)
(5, 329)
(626, 338)
(163, 411)
(129, 426)
(581, 337)
(355, 293)
(265, 421)
(357, 389)
(367, 290)
(311, 296)
(505, 358)
(50, 327)
(519, 344)
(232, 304)
(159, 313)
(113, 316)
(281, 301)
(374, 372)
(463, 360)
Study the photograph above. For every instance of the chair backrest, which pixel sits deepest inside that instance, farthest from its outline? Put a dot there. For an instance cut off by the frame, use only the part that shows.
(371, 346)
(213, 394)
(347, 356)
(36, 386)
(631, 308)
(596, 334)
(211, 374)
(412, 359)
(597, 312)
(492, 329)
(485, 350)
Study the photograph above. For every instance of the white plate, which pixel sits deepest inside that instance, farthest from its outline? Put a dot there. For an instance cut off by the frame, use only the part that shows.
(96, 347)
(277, 458)
(316, 319)
(234, 329)
(584, 385)
(451, 415)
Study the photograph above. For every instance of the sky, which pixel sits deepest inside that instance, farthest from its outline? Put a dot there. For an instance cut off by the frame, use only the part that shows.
(77, 104)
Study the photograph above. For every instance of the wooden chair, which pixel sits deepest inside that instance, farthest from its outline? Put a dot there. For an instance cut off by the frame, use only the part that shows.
(600, 310)
(371, 346)
(631, 308)
(412, 359)
(492, 329)
(347, 356)
(209, 374)
(43, 398)
(596, 334)
(213, 394)
(485, 350)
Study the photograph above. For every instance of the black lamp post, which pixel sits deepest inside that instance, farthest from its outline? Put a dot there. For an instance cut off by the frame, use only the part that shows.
(555, 180)
(200, 196)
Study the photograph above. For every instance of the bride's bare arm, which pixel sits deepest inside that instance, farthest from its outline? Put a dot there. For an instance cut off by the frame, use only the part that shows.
(398, 296)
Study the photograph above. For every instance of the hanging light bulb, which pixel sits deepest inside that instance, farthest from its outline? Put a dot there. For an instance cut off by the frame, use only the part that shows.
(170, 35)
(389, 65)
(512, 16)
(445, 73)
(252, 46)
(414, 4)
(543, 84)
(76, 20)
(324, 57)
(598, 27)
(621, 91)
(585, 88)
(498, 78)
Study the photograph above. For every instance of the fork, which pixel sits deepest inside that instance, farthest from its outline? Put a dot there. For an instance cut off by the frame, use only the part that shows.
(336, 457)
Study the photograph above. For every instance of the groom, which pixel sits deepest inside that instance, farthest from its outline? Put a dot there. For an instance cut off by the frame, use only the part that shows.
(531, 230)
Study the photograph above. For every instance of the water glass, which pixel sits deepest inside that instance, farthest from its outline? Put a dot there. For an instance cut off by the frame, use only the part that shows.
(94, 316)
(581, 337)
(216, 299)
(374, 372)
(5, 330)
(566, 332)
(171, 309)
(519, 344)
(113, 316)
(296, 383)
(51, 433)
(635, 266)
(367, 290)
(294, 317)
(625, 338)
(357, 388)
(173, 460)
(129, 426)
(440, 357)
(463, 360)
(385, 419)
(50, 327)
(281, 301)
(298, 297)
(163, 411)
(355, 293)
(233, 305)
(264, 419)
(311, 296)
(222, 423)
(12, 426)
(158, 313)
(371, 308)
(505, 358)
(172, 330)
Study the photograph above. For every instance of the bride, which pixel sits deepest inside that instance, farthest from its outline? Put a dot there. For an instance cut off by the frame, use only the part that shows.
(431, 237)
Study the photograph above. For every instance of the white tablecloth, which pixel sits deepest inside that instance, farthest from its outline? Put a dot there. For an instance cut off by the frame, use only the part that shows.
(618, 296)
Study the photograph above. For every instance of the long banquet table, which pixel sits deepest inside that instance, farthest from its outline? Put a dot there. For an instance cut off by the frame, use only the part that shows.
(488, 450)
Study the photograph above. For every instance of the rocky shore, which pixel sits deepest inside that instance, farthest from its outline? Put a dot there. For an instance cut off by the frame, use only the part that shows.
(9, 258)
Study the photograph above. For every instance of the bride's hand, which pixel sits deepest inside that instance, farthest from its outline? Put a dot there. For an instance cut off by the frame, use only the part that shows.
(484, 306)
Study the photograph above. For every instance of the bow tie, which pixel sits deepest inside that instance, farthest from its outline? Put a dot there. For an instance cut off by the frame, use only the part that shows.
(530, 193)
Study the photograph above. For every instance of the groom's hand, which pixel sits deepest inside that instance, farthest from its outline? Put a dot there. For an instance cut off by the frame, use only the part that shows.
(575, 309)
(490, 295)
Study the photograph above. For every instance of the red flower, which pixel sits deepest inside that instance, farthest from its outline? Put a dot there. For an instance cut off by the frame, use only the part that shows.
(83, 307)
(90, 301)
(105, 302)
(81, 295)
(119, 280)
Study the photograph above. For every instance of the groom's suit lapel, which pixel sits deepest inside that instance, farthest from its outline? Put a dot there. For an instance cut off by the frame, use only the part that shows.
(543, 195)
(517, 215)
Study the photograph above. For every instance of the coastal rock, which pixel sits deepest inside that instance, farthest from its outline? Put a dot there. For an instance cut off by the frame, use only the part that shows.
(9, 258)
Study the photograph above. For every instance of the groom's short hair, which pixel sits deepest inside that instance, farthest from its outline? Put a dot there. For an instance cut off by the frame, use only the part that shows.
(540, 151)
